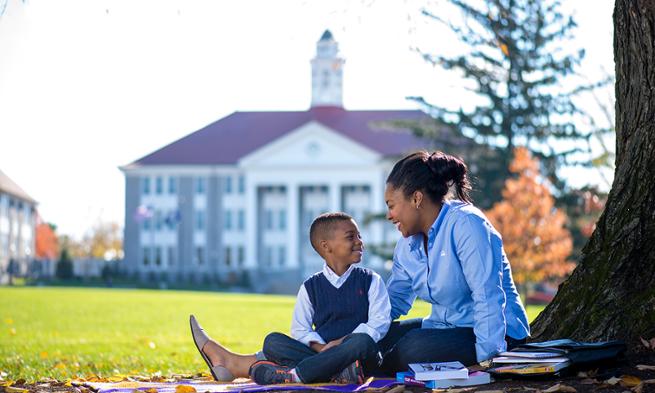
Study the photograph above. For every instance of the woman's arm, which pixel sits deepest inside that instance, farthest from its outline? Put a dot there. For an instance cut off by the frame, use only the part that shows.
(399, 287)
(479, 250)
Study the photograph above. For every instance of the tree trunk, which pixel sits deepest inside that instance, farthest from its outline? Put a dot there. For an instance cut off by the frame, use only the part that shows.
(611, 294)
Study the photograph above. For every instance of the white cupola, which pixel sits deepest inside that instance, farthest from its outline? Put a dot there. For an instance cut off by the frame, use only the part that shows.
(327, 76)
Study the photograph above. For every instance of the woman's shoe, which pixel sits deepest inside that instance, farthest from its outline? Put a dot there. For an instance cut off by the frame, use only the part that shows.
(200, 338)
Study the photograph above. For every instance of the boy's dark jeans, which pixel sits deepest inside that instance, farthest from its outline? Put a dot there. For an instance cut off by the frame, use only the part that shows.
(406, 342)
(312, 366)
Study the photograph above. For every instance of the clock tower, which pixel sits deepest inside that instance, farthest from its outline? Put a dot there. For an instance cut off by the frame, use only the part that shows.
(327, 77)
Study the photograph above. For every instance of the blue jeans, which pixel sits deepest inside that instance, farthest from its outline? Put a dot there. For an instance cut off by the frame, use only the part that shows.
(312, 366)
(406, 342)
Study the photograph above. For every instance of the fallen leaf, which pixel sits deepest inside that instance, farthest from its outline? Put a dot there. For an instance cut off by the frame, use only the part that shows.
(12, 331)
(60, 366)
(9, 321)
(643, 367)
(487, 391)
(151, 390)
(588, 381)
(629, 381)
(185, 389)
(560, 388)
(638, 389)
(613, 381)
(645, 343)
(43, 355)
(10, 389)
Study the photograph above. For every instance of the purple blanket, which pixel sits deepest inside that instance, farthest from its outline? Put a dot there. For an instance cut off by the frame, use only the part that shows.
(213, 387)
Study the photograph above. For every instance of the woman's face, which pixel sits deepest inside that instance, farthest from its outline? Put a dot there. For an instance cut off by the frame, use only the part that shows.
(402, 211)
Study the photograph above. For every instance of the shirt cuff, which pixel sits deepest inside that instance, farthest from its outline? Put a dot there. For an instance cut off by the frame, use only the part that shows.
(311, 337)
(486, 352)
(364, 328)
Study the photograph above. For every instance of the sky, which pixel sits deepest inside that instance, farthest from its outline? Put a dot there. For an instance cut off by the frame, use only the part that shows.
(89, 85)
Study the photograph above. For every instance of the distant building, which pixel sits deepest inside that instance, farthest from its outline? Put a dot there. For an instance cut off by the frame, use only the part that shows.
(17, 230)
(237, 197)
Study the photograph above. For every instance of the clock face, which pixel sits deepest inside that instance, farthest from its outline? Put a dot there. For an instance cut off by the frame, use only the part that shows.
(313, 149)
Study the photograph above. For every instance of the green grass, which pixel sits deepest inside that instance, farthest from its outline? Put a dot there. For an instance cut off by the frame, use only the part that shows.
(68, 332)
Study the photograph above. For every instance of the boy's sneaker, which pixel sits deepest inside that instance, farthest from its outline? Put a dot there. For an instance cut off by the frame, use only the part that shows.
(353, 374)
(268, 373)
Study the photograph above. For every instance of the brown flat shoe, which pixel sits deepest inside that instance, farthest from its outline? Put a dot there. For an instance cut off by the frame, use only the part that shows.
(200, 338)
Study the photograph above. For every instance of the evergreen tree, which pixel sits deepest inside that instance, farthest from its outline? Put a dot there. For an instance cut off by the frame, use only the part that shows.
(516, 60)
(64, 270)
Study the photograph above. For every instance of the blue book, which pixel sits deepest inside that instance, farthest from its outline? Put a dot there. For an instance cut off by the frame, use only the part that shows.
(474, 378)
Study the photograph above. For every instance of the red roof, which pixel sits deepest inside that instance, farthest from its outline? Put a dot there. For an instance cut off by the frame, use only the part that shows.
(239, 134)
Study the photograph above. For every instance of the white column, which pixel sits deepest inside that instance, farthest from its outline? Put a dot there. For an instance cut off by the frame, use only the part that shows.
(335, 197)
(293, 224)
(250, 247)
(377, 206)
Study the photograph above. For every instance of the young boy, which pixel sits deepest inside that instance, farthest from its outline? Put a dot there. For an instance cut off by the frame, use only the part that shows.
(341, 313)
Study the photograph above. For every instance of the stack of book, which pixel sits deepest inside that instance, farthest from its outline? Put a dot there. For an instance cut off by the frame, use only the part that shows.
(528, 363)
(441, 375)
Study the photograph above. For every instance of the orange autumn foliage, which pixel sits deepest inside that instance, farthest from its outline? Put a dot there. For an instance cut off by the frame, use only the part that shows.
(47, 245)
(534, 236)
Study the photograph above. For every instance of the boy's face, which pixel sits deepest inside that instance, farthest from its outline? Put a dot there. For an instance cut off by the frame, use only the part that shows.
(345, 244)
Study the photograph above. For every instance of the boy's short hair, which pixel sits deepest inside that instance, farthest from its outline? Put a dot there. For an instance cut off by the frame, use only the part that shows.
(323, 224)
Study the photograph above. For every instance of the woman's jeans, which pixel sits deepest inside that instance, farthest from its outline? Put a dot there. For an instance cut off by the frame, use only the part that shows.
(406, 342)
(312, 366)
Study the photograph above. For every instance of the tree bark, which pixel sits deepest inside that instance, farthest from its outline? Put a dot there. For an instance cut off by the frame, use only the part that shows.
(611, 294)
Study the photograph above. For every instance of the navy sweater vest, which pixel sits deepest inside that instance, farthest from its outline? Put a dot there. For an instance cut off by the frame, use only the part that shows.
(338, 311)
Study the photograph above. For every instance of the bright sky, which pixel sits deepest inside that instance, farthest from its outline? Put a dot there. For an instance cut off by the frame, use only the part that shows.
(89, 85)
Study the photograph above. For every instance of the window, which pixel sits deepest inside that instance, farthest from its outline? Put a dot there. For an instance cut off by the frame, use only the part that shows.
(159, 185)
(241, 220)
(282, 255)
(200, 255)
(268, 256)
(158, 256)
(146, 224)
(146, 256)
(171, 256)
(269, 219)
(145, 185)
(241, 184)
(241, 257)
(228, 256)
(227, 220)
(228, 184)
(200, 185)
(158, 220)
(282, 223)
(200, 220)
(172, 185)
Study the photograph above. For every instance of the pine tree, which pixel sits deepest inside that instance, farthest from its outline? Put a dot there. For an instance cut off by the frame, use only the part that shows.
(515, 61)
(535, 239)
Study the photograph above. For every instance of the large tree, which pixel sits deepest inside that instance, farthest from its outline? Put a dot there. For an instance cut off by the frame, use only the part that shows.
(611, 294)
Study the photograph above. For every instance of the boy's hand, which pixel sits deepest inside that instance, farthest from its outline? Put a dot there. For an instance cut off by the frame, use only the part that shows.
(331, 344)
(316, 346)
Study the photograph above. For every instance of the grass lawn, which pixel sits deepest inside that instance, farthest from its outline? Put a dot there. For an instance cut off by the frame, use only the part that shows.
(67, 332)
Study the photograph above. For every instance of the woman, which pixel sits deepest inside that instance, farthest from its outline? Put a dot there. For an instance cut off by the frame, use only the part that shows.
(451, 257)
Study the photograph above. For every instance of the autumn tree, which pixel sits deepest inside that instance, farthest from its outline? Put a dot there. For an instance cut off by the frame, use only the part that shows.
(534, 234)
(47, 244)
(611, 293)
(103, 241)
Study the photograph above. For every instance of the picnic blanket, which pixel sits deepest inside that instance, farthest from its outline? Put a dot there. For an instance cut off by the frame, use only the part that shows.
(371, 384)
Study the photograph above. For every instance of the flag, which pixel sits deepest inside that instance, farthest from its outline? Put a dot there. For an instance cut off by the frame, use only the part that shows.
(143, 213)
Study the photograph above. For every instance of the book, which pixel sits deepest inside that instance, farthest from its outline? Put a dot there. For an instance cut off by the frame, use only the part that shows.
(513, 359)
(443, 370)
(531, 355)
(530, 368)
(474, 378)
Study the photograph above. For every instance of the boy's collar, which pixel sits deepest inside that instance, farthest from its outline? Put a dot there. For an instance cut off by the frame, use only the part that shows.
(327, 270)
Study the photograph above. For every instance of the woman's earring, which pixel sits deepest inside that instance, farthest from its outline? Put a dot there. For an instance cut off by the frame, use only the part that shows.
(418, 206)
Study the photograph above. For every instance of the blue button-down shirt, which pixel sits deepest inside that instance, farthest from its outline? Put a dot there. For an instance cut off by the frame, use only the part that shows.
(465, 276)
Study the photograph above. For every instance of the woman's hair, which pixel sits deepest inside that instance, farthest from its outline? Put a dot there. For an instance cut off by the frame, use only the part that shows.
(432, 174)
